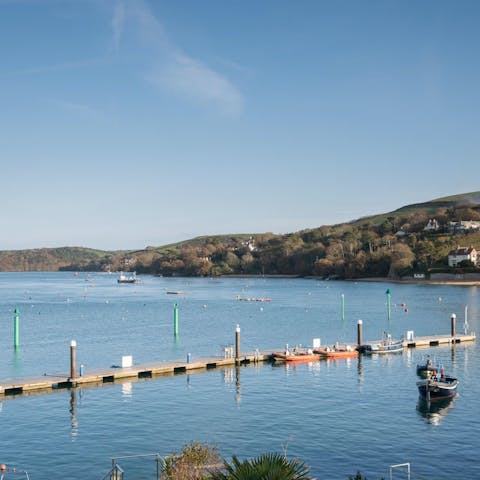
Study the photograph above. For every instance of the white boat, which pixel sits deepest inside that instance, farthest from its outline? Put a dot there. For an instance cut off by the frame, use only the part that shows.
(129, 277)
(386, 345)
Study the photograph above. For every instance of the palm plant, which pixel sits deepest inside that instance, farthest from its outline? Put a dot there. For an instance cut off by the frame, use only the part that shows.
(269, 466)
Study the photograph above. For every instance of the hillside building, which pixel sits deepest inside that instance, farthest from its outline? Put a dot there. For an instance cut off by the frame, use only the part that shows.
(460, 254)
(432, 225)
(464, 226)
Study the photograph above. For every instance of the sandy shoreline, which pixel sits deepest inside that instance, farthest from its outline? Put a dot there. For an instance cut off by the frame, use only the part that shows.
(464, 283)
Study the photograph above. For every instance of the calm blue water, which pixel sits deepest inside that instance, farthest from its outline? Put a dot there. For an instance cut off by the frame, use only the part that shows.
(338, 417)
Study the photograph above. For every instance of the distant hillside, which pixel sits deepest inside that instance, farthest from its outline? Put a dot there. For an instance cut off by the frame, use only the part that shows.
(432, 207)
(472, 198)
(394, 244)
(45, 259)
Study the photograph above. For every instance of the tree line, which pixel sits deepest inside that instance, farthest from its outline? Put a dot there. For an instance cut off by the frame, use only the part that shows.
(393, 246)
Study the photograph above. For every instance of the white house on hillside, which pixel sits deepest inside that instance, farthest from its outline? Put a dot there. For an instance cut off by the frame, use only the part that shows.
(455, 257)
(432, 225)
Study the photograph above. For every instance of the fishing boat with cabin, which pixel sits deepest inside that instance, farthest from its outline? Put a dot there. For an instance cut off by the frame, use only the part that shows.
(438, 386)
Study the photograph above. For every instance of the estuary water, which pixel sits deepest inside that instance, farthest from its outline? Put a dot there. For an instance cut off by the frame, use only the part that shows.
(337, 416)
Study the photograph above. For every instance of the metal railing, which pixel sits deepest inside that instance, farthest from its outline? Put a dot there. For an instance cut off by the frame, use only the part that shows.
(117, 473)
(13, 472)
(399, 465)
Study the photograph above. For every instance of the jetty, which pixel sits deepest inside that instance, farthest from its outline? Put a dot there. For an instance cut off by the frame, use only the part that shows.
(437, 340)
(46, 382)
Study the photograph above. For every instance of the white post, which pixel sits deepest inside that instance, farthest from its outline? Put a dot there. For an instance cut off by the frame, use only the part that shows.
(73, 360)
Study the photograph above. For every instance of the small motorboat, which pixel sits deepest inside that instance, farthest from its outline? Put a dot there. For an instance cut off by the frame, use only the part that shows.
(296, 355)
(337, 351)
(438, 386)
(386, 345)
(129, 277)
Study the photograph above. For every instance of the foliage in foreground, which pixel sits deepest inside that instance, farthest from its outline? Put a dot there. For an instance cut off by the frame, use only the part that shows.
(199, 461)
(269, 466)
(193, 463)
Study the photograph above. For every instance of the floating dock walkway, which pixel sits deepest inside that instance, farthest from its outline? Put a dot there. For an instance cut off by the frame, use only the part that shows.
(45, 383)
(110, 375)
(437, 340)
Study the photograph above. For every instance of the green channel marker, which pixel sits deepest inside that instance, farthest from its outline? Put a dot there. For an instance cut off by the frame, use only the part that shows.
(388, 303)
(175, 319)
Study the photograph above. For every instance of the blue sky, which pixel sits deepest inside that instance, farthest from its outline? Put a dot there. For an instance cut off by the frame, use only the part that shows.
(132, 123)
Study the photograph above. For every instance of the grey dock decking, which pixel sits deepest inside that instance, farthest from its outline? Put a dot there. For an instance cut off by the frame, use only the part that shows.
(110, 375)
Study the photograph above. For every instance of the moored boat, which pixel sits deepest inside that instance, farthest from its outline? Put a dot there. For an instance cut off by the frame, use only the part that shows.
(337, 351)
(438, 387)
(296, 356)
(386, 345)
(128, 278)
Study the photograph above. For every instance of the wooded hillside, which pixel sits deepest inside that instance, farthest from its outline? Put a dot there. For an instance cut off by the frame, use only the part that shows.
(393, 244)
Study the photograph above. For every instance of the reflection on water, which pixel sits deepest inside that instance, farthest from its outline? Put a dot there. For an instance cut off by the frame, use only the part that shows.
(238, 386)
(127, 390)
(433, 412)
(228, 375)
(231, 375)
(453, 354)
(73, 414)
(360, 368)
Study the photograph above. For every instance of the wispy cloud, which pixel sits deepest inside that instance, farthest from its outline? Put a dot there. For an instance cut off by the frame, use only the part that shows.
(171, 68)
(188, 77)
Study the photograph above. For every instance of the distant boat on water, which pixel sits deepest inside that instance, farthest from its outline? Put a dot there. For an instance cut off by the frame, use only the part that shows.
(253, 299)
(129, 277)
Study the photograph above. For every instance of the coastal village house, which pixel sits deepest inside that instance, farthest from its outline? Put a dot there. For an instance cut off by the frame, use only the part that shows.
(463, 226)
(432, 225)
(460, 254)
